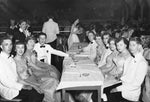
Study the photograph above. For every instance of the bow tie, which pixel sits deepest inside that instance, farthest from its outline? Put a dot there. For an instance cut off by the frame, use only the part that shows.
(42, 46)
(91, 42)
(107, 47)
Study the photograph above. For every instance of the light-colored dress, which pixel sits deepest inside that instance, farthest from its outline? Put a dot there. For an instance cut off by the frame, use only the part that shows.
(46, 82)
(119, 62)
(146, 89)
(73, 38)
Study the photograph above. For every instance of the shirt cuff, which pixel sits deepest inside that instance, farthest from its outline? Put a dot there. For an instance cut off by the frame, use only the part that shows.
(119, 88)
(19, 86)
(67, 55)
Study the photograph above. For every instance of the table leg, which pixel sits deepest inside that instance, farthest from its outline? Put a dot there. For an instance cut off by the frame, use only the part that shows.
(66, 97)
(63, 95)
(99, 94)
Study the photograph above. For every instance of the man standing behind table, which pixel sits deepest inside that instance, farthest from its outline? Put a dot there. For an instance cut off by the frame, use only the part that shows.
(10, 86)
(44, 51)
(51, 29)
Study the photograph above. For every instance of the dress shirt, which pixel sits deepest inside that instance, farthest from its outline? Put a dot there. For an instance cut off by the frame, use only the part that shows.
(50, 28)
(9, 87)
(45, 52)
(91, 49)
(135, 70)
(104, 56)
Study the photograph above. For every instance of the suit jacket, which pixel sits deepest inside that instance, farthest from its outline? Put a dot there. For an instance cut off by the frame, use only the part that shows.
(18, 36)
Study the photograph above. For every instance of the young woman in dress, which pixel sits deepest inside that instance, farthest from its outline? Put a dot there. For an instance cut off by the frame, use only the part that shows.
(121, 58)
(40, 68)
(73, 38)
(134, 73)
(43, 84)
(99, 49)
(90, 49)
(146, 87)
(109, 60)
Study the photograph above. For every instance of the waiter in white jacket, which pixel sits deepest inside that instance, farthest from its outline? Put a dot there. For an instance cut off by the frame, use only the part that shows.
(44, 50)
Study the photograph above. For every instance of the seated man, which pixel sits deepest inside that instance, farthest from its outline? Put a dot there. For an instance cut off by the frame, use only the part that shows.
(10, 87)
(135, 70)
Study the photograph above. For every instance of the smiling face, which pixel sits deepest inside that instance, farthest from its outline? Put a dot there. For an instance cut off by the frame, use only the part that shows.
(112, 45)
(105, 39)
(99, 40)
(121, 46)
(30, 44)
(23, 25)
(134, 47)
(20, 48)
(42, 39)
(7, 46)
(91, 36)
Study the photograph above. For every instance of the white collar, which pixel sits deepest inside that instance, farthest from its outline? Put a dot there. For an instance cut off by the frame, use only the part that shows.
(4, 55)
(50, 20)
(40, 44)
(137, 56)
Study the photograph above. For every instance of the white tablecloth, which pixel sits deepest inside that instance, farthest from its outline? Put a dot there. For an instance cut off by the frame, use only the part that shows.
(81, 71)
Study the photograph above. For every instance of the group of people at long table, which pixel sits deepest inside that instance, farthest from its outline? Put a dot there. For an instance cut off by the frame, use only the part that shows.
(29, 74)
(124, 58)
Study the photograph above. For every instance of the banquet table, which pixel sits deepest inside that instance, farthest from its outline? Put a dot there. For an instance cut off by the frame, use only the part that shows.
(80, 73)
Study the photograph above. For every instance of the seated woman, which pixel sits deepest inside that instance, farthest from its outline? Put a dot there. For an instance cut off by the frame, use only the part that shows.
(109, 60)
(121, 58)
(73, 38)
(146, 89)
(100, 48)
(40, 67)
(91, 48)
(42, 83)
(134, 73)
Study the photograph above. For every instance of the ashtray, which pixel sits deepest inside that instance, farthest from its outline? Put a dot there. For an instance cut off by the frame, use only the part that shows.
(73, 66)
(85, 74)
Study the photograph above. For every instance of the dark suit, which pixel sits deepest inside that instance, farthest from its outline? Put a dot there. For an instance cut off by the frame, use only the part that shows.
(19, 36)
(30, 96)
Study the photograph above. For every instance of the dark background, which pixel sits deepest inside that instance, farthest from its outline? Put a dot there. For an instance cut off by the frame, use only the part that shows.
(36, 10)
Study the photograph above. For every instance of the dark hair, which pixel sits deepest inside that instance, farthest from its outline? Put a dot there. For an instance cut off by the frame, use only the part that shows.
(136, 39)
(98, 35)
(112, 39)
(19, 43)
(50, 16)
(30, 38)
(106, 33)
(124, 40)
(22, 20)
(92, 33)
(42, 34)
(5, 37)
